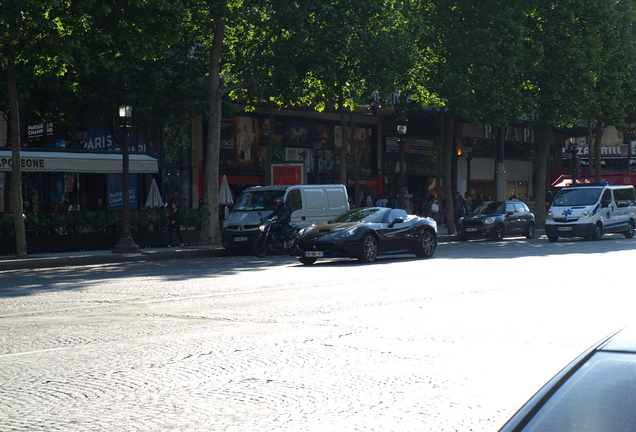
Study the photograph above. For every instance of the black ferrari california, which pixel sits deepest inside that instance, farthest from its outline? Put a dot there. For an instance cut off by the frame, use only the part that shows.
(367, 232)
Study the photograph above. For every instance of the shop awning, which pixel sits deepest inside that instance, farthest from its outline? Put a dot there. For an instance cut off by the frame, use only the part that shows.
(98, 163)
(615, 179)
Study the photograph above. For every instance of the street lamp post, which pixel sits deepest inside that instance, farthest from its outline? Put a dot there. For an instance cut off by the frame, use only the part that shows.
(468, 149)
(574, 160)
(402, 123)
(126, 243)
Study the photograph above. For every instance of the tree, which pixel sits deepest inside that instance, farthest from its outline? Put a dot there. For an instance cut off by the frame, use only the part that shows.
(565, 75)
(303, 48)
(32, 31)
(613, 95)
(356, 52)
(74, 38)
(472, 58)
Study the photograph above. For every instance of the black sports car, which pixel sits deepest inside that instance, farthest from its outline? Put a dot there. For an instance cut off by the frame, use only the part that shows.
(367, 232)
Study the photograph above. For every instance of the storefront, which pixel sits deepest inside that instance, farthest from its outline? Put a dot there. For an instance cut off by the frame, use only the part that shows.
(54, 180)
(315, 144)
(497, 167)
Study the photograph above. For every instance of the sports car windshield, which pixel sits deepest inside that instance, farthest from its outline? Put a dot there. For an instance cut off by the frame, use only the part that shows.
(367, 214)
(577, 196)
(491, 207)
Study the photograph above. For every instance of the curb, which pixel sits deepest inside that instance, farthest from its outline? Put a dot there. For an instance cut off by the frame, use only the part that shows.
(39, 261)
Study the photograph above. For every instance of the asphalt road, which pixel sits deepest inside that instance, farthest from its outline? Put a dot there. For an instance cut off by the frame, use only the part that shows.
(456, 342)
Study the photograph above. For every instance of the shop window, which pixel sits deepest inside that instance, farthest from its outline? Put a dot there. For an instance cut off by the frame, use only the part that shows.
(176, 186)
(176, 139)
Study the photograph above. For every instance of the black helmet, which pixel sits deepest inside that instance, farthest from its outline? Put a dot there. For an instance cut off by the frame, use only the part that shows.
(278, 201)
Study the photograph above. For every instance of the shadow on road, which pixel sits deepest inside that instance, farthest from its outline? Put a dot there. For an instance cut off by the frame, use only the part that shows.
(20, 283)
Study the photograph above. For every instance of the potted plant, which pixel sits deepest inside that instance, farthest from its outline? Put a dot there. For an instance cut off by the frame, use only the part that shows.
(6, 226)
(31, 224)
(190, 218)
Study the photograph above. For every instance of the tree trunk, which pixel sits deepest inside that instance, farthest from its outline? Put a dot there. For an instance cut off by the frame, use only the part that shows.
(597, 150)
(355, 155)
(543, 156)
(343, 149)
(270, 145)
(440, 157)
(16, 175)
(447, 154)
(210, 233)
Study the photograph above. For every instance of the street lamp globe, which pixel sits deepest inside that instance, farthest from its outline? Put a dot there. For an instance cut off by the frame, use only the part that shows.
(125, 107)
(402, 123)
(468, 147)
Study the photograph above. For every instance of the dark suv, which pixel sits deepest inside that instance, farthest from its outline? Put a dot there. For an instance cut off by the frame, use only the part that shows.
(496, 219)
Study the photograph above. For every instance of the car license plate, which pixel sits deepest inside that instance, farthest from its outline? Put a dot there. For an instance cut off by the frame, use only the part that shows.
(564, 229)
(240, 239)
(313, 254)
(470, 229)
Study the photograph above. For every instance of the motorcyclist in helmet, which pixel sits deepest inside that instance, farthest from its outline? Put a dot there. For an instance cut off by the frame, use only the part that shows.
(283, 218)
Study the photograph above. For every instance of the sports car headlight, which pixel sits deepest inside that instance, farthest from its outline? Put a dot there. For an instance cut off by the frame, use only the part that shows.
(348, 233)
(304, 231)
(489, 220)
(585, 214)
(550, 216)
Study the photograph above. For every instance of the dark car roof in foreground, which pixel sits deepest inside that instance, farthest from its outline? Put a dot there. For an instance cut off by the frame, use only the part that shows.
(621, 341)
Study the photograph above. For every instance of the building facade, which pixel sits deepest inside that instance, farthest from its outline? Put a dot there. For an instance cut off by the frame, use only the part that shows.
(65, 164)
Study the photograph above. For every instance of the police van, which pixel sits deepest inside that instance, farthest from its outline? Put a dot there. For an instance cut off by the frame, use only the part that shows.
(590, 210)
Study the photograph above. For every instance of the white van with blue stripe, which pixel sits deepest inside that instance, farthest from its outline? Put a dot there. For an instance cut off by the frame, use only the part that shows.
(590, 210)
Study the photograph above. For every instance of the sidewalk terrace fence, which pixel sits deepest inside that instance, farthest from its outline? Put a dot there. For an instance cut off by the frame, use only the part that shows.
(94, 230)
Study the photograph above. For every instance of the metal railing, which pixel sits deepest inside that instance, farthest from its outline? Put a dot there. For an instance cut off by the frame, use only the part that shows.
(93, 229)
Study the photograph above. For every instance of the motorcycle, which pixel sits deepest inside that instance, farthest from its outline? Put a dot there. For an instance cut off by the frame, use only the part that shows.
(271, 238)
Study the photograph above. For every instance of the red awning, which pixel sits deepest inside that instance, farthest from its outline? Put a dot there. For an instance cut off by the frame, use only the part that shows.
(615, 179)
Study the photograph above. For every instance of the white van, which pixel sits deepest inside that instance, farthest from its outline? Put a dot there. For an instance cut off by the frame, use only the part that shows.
(591, 209)
(310, 205)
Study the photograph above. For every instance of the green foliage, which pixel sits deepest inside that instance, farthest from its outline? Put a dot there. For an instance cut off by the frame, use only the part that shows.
(31, 223)
(6, 226)
(475, 58)
(191, 218)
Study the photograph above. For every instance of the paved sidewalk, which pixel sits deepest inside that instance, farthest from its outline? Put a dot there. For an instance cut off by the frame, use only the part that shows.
(77, 258)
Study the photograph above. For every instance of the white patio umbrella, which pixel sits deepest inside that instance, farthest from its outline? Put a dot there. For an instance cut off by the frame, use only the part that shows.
(154, 199)
(225, 194)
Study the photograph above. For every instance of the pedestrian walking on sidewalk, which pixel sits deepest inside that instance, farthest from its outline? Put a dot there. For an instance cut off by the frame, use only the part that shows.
(174, 224)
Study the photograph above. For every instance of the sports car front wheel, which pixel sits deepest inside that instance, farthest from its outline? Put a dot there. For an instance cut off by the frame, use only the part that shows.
(427, 245)
(369, 249)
